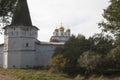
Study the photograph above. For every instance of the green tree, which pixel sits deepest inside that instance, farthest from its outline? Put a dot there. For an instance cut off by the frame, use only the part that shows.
(6, 6)
(112, 17)
(58, 50)
(114, 58)
(90, 61)
(101, 44)
(57, 63)
(6, 10)
(71, 51)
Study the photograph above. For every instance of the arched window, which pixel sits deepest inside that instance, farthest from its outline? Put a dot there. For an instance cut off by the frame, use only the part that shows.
(27, 44)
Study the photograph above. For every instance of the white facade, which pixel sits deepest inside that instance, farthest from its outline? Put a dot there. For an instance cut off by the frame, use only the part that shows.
(21, 48)
(60, 35)
(1, 55)
(44, 52)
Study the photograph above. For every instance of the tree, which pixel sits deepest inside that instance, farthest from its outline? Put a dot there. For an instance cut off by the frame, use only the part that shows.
(112, 18)
(6, 10)
(71, 51)
(101, 43)
(114, 58)
(58, 50)
(6, 6)
(57, 63)
(90, 61)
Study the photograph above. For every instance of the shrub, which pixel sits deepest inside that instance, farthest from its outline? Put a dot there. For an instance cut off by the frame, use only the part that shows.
(58, 62)
(114, 58)
(90, 61)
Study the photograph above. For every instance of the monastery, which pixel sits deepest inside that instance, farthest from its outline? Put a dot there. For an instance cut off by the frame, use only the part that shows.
(21, 48)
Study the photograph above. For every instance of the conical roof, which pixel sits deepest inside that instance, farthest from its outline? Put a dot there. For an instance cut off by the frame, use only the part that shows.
(21, 15)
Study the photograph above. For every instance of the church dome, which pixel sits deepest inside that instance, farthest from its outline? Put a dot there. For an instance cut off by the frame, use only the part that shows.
(56, 29)
(68, 30)
(61, 28)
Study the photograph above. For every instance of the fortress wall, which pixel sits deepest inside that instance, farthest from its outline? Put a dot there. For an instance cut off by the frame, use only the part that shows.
(1, 55)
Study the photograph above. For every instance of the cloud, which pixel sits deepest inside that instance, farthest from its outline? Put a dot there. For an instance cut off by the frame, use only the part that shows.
(81, 16)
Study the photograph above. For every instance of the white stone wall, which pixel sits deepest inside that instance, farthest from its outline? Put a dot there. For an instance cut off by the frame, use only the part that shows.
(19, 49)
(1, 55)
(21, 31)
(44, 53)
(23, 59)
(22, 51)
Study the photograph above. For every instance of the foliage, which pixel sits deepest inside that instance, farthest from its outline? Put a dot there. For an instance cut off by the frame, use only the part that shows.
(112, 17)
(86, 53)
(114, 58)
(101, 43)
(90, 61)
(6, 6)
(69, 53)
(58, 62)
(58, 50)
(6, 10)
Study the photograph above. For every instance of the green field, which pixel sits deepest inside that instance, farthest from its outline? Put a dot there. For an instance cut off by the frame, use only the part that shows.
(28, 74)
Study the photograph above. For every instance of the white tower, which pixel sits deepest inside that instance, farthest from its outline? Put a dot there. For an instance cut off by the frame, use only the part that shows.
(68, 32)
(19, 39)
(55, 33)
(61, 31)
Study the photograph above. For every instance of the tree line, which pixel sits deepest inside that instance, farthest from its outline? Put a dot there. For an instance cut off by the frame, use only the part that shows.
(98, 54)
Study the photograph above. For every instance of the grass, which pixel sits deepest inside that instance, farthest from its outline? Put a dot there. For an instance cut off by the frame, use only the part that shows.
(29, 74)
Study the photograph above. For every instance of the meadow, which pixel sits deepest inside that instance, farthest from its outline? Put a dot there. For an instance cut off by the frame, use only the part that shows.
(29, 74)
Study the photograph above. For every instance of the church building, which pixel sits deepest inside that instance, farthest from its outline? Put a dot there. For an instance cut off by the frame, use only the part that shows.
(21, 48)
(59, 35)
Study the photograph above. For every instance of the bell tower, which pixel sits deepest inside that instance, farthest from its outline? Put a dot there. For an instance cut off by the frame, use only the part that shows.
(19, 39)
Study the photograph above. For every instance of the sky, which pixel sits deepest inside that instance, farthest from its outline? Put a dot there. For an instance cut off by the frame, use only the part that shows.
(81, 16)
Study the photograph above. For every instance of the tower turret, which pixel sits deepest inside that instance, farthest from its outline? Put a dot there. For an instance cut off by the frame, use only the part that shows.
(19, 39)
(68, 32)
(61, 31)
(21, 14)
(55, 33)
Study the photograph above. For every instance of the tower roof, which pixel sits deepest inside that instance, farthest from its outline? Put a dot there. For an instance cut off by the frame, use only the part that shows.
(21, 15)
(56, 29)
(68, 30)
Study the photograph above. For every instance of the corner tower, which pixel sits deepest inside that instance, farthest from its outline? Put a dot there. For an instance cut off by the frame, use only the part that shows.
(19, 39)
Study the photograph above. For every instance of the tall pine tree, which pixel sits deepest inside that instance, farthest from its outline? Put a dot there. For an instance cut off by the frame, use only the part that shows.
(112, 18)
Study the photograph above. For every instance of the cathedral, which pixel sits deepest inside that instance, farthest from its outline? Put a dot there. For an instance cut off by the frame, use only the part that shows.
(59, 35)
(21, 48)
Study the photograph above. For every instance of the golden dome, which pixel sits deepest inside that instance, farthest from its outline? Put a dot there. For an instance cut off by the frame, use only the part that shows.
(56, 29)
(61, 28)
(68, 30)
(65, 33)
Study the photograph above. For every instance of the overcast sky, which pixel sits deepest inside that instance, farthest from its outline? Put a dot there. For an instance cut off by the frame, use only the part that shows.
(81, 16)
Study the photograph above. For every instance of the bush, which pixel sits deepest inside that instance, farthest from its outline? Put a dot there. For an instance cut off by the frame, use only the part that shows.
(114, 58)
(90, 61)
(57, 63)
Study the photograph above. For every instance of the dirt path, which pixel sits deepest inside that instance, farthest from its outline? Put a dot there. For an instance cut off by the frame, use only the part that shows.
(4, 77)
